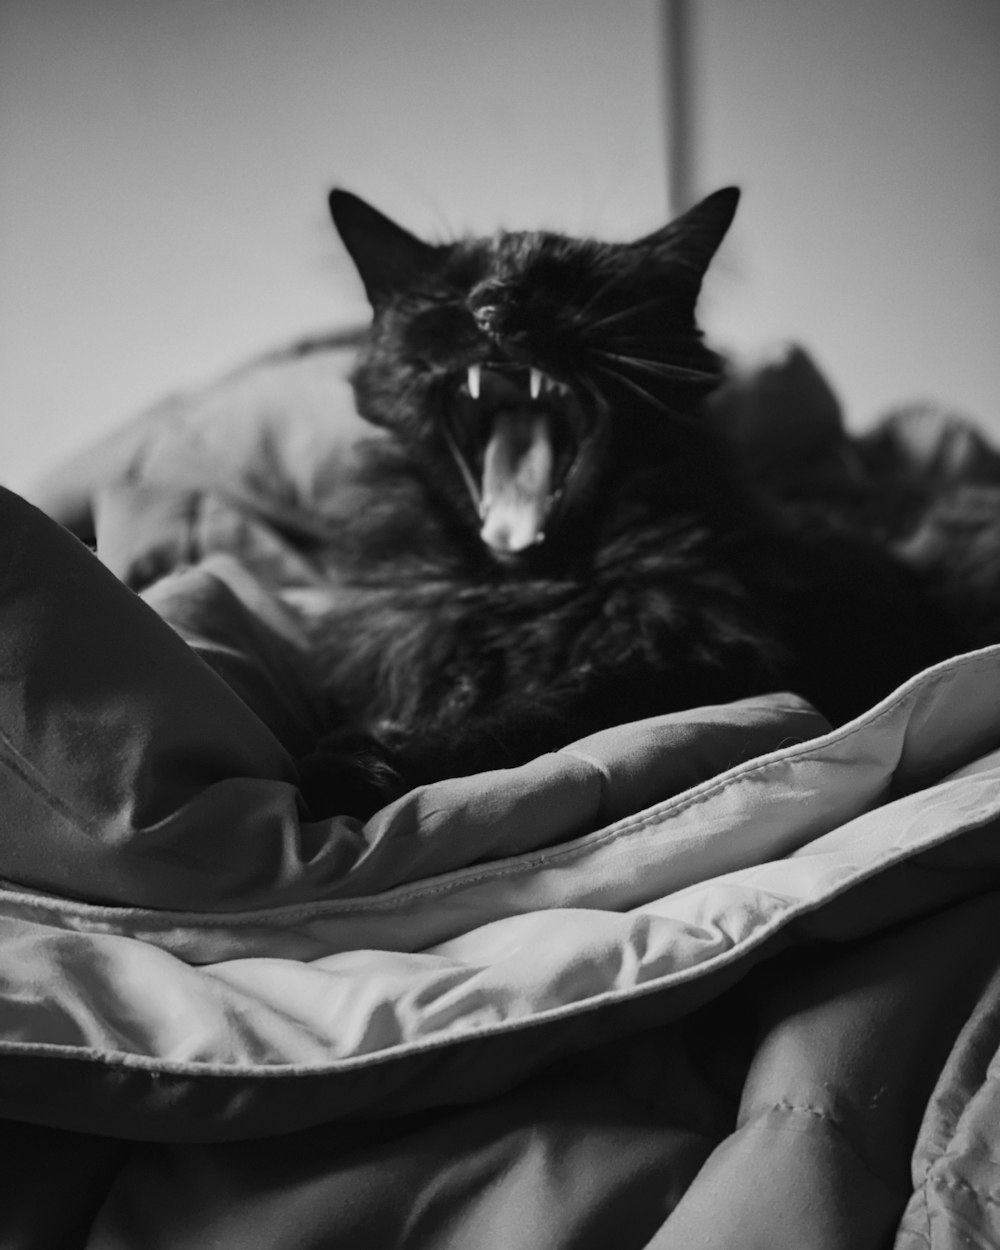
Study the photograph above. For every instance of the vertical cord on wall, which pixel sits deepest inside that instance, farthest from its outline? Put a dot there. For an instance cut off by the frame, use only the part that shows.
(678, 102)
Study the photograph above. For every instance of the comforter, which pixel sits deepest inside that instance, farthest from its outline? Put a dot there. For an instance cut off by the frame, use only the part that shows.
(721, 978)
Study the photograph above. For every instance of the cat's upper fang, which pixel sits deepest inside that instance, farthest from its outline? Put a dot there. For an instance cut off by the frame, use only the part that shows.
(539, 382)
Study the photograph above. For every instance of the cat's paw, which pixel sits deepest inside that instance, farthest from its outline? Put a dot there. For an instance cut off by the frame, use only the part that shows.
(349, 773)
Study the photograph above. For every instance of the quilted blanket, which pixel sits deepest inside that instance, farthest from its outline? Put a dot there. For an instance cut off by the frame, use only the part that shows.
(721, 978)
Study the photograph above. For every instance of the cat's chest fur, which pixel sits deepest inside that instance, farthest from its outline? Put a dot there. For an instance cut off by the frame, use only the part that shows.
(425, 629)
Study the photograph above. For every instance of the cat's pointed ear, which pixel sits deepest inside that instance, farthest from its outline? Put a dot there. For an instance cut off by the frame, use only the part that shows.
(690, 241)
(388, 258)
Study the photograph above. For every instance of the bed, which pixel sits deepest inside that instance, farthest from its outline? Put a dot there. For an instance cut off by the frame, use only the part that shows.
(722, 978)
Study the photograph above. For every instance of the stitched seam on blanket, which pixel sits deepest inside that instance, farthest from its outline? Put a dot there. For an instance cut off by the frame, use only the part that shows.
(598, 765)
(669, 809)
(820, 1113)
(826, 1116)
(708, 789)
(389, 900)
(22, 767)
(344, 1065)
(458, 879)
(933, 1178)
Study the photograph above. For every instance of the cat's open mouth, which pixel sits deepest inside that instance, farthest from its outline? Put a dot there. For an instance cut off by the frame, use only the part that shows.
(516, 433)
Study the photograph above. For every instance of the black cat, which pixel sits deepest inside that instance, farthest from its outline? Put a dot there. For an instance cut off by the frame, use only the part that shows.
(553, 541)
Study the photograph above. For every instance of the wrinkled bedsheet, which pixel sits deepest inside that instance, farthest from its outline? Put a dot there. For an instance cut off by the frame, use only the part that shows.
(722, 978)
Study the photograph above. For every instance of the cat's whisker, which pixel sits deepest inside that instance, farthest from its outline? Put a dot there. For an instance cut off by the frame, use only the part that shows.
(635, 362)
(640, 390)
(623, 314)
(613, 280)
(589, 384)
(658, 368)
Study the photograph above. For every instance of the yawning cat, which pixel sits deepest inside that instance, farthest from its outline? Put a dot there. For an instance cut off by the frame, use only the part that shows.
(553, 540)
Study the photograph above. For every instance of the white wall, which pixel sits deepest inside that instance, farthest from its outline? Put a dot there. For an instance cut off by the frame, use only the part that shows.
(866, 134)
(165, 165)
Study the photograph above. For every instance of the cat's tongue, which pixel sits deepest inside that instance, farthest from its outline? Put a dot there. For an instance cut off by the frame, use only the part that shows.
(517, 480)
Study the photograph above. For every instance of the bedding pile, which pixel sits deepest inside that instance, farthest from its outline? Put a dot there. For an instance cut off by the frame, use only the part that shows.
(720, 978)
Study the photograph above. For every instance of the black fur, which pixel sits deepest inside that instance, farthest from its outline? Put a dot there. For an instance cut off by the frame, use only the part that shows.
(651, 576)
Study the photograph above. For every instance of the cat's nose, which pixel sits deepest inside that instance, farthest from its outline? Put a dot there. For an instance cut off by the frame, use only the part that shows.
(490, 304)
(487, 317)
